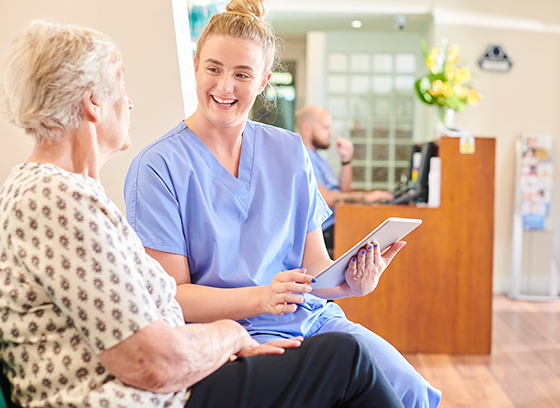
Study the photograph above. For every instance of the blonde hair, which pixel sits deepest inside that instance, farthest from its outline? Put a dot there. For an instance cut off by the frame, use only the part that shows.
(46, 71)
(244, 19)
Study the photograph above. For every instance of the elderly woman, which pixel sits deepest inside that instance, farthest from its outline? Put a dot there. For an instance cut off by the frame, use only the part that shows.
(88, 319)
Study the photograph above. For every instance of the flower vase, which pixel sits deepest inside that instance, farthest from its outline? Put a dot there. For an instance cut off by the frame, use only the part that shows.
(447, 116)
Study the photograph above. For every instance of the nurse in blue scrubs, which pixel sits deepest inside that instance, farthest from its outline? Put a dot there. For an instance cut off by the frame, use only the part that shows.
(231, 208)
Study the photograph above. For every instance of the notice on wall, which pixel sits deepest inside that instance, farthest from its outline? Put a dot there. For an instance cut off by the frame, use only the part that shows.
(536, 179)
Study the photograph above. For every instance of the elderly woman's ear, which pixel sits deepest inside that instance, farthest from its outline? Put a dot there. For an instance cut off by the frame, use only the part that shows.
(91, 110)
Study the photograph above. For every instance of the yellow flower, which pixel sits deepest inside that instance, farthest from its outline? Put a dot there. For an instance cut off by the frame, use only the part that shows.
(462, 75)
(453, 54)
(450, 72)
(473, 97)
(446, 89)
(431, 60)
(461, 91)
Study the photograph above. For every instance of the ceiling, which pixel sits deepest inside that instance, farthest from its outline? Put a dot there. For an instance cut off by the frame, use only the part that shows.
(298, 16)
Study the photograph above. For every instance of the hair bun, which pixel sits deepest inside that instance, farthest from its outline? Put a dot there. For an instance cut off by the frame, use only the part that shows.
(255, 9)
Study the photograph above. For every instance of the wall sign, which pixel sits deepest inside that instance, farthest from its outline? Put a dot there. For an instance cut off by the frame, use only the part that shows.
(495, 59)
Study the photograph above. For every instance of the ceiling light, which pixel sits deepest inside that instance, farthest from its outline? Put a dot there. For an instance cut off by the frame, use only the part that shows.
(356, 23)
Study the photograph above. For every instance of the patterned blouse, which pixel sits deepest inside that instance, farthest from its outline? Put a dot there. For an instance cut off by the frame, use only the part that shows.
(74, 281)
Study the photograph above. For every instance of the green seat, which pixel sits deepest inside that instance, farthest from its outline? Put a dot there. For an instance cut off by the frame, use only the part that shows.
(5, 391)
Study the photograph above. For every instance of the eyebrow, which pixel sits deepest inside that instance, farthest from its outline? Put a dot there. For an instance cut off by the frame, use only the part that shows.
(213, 61)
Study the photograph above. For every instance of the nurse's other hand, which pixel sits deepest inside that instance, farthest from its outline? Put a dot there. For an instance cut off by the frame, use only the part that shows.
(365, 269)
(285, 291)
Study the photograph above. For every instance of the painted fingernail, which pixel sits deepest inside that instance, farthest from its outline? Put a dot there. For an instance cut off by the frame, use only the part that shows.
(313, 280)
(369, 247)
(376, 245)
(405, 243)
(363, 252)
(354, 259)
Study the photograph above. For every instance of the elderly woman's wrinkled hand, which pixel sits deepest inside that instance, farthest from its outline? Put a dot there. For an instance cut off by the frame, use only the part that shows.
(272, 347)
(365, 269)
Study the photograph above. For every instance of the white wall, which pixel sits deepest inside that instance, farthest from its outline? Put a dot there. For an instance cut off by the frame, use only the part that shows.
(522, 100)
(144, 32)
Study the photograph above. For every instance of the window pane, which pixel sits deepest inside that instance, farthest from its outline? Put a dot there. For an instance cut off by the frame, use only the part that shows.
(404, 107)
(359, 151)
(404, 82)
(380, 130)
(383, 63)
(339, 128)
(379, 174)
(405, 63)
(337, 62)
(403, 152)
(358, 130)
(401, 174)
(382, 84)
(380, 152)
(359, 84)
(337, 84)
(359, 106)
(381, 107)
(403, 131)
(336, 105)
(360, 62)
(358, 173)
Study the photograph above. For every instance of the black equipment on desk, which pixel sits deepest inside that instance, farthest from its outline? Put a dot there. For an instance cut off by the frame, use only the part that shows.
(418, 192)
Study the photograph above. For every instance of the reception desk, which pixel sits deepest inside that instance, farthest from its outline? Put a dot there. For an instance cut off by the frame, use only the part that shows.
(436, 296)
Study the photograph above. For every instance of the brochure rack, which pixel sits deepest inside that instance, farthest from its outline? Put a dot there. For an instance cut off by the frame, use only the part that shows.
(535, 212)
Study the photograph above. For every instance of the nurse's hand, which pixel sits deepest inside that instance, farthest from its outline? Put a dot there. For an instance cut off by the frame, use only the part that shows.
(284, 292)
(365, 269)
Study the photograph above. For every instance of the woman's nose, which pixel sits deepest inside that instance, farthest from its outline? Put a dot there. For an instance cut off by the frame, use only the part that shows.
(226, 84)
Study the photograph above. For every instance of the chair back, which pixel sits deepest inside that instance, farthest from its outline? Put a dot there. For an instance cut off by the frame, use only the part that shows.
(5, 392)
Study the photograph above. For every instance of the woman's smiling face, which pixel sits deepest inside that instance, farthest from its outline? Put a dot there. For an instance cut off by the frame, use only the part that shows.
(229, 78)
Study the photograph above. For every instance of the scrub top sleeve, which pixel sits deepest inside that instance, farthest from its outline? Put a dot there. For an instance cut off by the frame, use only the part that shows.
(152, 208)
(319, 211)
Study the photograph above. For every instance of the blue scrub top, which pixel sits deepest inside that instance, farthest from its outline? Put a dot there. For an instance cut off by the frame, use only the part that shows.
(236, 232)
(325, 177)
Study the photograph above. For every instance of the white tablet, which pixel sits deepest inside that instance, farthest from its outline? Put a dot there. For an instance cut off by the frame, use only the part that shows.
(386, 234)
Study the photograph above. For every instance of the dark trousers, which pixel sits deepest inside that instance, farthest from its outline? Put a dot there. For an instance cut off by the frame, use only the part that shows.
(328, 370)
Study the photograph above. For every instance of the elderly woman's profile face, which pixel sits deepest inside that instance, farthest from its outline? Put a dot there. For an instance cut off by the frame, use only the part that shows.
(115, 117)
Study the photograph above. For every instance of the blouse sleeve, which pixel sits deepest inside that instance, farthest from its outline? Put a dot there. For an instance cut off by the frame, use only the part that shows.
(62, 235)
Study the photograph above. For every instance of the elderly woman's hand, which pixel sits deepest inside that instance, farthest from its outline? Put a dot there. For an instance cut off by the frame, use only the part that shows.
(365, 269)
(272, 347)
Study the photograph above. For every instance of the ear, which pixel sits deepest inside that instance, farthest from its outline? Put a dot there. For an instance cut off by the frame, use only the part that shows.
(91, 107)
(305, 128)
(265, 80)
(195, 61)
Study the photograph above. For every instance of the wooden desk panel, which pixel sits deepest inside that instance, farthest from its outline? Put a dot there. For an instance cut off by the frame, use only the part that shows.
(436, 296)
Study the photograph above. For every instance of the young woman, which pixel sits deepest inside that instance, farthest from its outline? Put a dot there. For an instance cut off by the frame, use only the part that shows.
(231, 209)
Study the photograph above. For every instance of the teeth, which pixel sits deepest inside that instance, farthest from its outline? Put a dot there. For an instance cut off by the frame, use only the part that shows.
(224, 101)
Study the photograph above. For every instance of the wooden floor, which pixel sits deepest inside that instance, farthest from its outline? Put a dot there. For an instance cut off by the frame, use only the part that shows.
(523, 370)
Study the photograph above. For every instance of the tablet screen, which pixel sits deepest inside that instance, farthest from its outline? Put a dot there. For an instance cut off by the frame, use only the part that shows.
(387, 233)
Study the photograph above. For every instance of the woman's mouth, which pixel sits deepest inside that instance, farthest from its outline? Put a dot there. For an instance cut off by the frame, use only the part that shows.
(224, 102)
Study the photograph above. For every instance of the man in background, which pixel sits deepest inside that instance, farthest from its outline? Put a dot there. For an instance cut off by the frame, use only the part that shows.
(314, 124)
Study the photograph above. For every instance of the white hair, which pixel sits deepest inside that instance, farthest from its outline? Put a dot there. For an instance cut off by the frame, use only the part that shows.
(45, 73)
